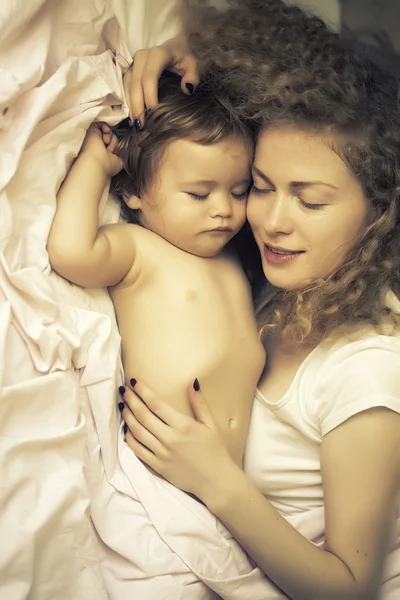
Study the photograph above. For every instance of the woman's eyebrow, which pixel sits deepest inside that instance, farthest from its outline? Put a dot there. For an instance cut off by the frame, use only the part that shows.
(303, 184)
(261, 174)
(294, 184)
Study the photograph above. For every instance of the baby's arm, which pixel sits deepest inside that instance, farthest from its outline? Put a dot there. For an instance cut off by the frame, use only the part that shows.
(78, 250)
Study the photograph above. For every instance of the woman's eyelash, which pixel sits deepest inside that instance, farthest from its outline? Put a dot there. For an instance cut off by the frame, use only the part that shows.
(256, 190)
(310, 206)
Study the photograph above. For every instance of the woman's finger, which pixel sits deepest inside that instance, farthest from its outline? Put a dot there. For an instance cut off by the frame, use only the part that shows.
(142, 452)
(158, 59)
(146, 417)
(158, 408)
(199, 406)
(127, 89)
(191, 76)
(183, 62)
(133, 86)
(133, 92)
(140, 433)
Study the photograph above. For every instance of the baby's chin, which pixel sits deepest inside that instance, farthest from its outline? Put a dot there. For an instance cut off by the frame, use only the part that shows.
(204, 250)
(204, 253)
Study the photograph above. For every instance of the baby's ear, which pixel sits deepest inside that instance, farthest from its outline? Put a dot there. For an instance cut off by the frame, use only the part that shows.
(134, 202)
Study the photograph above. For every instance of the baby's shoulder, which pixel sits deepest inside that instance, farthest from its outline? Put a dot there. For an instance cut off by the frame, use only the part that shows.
(150, 247)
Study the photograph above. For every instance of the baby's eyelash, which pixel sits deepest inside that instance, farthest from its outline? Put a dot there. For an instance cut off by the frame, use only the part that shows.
(198, 197)
(242, 196)
(202, 197)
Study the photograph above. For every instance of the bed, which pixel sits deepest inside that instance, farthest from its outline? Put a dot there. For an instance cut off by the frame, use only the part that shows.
(80, 516)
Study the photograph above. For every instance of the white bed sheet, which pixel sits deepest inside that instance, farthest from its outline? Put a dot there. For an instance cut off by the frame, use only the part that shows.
(80, 516)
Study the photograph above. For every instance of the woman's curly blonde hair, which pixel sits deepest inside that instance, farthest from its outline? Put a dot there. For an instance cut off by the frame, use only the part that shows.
(280, 65)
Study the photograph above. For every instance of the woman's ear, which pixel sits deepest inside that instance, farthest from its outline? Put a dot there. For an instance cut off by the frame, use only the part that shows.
(134, 202)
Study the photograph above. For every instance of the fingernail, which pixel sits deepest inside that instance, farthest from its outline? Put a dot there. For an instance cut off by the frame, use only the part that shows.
(132, 382)
(125, 428)
(138, 125)
(190, 87)
(121, 406)
(196, 385)
(130, 122)
(121, 390)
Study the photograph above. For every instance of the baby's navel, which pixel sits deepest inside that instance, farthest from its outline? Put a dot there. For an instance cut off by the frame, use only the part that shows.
(191, 295)
(232, 423)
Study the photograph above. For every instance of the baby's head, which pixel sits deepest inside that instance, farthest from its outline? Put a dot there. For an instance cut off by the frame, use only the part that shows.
(187, 173)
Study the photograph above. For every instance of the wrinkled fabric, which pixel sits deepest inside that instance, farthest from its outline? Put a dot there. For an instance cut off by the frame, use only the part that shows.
(80, 517)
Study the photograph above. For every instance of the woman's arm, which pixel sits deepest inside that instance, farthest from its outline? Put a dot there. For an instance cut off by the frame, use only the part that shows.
(360, 486)
(360, 489)
(78, 250)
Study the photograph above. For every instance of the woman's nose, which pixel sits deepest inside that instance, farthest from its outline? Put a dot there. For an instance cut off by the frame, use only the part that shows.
(278, 217)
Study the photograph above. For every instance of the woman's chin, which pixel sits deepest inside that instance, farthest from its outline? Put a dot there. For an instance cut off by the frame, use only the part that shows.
(281, 281)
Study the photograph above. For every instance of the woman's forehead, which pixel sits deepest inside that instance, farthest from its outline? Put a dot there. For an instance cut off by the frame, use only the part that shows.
(299, 146)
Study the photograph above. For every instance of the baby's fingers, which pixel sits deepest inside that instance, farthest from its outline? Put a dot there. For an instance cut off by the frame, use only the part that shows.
(113, 143)
(104, 127)
(116, 165)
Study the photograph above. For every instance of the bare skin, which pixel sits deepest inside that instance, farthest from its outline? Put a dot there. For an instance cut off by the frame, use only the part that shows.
(182, 313)
(187, 316)
(359, 458)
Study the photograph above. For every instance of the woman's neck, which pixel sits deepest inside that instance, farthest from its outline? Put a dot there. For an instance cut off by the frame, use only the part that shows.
(283, 360)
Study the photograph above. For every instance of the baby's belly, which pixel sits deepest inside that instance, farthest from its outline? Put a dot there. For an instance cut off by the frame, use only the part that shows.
(227, 366)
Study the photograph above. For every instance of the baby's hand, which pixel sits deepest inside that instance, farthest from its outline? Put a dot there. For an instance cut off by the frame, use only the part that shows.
(100, 143)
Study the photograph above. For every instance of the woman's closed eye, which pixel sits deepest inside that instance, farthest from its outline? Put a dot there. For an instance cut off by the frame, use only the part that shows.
(310, 206)
(264, 191)
(260, 191)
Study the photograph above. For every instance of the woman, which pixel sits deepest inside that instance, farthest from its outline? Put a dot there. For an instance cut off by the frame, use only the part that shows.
(324, 211)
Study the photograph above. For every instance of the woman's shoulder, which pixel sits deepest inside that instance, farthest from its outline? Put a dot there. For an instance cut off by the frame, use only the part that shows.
(365, 338)
(357, 375)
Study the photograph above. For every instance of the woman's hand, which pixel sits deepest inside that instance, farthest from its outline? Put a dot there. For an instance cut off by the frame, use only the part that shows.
(100, 143)
(141, 80)
(188, 451)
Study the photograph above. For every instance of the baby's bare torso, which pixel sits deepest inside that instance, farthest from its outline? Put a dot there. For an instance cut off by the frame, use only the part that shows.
(181, 317)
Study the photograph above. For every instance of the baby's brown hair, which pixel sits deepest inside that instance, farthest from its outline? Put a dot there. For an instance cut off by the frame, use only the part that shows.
(204, 117)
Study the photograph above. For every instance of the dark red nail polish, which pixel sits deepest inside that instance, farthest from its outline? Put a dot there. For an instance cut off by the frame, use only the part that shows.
(125, 428)
(138, 125)
(133, 382)
(196, 385)
(121, 406)
(190, 87)
(121, 390)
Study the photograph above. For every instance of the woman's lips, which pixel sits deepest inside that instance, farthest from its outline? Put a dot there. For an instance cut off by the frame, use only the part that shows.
(277, 256)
